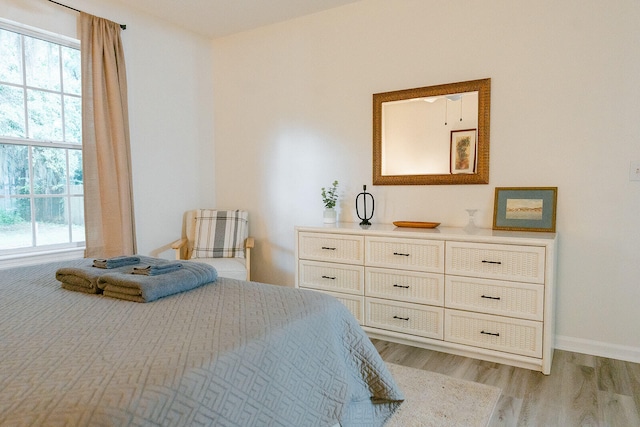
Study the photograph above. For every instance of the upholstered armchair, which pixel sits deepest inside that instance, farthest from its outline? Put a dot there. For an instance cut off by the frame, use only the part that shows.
(219, 238)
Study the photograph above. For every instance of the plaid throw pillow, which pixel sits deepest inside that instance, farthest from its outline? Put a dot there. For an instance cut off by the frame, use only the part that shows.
(220, 234)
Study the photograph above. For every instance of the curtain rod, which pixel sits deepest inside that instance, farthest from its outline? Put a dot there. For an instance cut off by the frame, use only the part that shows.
(123, 26)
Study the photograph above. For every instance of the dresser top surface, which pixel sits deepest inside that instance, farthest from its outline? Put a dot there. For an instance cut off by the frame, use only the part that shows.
(440, 232)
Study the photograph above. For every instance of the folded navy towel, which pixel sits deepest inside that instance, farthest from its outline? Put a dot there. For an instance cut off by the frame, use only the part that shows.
(115, 262)
(153, 270)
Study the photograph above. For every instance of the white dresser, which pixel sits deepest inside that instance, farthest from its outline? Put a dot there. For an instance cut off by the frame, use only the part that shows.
(487, 295)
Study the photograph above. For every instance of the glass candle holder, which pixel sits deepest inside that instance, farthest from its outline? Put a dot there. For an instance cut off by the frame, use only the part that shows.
(471, 226)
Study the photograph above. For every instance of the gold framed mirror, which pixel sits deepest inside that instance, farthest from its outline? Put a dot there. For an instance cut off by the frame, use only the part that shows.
(432, 135)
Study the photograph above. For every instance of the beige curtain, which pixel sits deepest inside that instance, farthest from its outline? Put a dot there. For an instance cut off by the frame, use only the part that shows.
(108, 195)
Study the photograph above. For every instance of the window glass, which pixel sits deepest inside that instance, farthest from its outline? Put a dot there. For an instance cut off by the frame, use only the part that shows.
(72, 119)
(76, 214)
(42, 63)
(49, 170)
(71, 70)
(14, 161)
(11, 54)
(52, 223)
(45, 115)
(12, 118)
(15, 223)
(75, 178)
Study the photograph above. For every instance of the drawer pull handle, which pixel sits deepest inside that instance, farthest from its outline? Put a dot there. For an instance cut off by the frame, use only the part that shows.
(491, 262)
(490, 333)
(401, 318)
(328, 248)
(401, 286)
(328, 277)
(489, 297)
(400, 254)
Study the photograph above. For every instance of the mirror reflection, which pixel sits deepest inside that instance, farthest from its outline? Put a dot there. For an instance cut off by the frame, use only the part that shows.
(433, 135)
(416, 134)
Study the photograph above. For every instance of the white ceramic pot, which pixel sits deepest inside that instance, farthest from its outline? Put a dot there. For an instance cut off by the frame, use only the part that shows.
(330, 215)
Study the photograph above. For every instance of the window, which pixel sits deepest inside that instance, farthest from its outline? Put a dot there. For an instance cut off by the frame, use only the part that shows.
(41, 191)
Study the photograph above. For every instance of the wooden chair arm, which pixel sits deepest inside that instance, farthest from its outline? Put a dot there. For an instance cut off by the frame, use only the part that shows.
(177, 246)
(249, 243)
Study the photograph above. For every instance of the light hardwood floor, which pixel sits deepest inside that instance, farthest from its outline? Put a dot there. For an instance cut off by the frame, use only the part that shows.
(582, 390)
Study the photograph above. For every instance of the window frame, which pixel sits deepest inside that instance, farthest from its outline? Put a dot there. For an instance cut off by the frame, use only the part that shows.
(68, 195)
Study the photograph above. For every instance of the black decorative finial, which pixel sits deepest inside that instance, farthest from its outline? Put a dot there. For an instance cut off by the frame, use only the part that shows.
(365, 217)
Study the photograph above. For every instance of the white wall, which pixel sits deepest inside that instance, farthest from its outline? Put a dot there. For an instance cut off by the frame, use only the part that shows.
(170, 108)
(293, 113)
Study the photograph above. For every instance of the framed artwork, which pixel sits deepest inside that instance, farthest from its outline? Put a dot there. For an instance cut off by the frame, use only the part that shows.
(525, 209)
(463, 151)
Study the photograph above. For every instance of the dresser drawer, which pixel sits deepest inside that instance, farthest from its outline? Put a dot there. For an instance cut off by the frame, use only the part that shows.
(409, 254)
(331, 247)
(414, 319)
(506, 262)
(354, 303)
(408, 286)
(494, 332)
(331, 277)
(523, 300)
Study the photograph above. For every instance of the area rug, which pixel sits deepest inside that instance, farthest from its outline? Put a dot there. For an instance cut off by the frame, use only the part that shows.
(433, 399)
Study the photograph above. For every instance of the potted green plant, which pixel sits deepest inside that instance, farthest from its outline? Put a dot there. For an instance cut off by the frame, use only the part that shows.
(329, 199)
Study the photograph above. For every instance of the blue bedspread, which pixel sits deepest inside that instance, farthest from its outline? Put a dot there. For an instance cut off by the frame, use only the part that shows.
(231, 353)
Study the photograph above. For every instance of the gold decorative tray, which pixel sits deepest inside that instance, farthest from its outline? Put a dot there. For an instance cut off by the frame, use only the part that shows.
(416, 224)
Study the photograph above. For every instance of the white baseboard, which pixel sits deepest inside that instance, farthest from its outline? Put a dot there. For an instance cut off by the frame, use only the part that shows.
(598, 348)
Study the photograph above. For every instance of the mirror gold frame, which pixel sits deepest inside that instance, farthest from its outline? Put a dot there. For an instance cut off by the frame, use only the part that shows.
(481, 176)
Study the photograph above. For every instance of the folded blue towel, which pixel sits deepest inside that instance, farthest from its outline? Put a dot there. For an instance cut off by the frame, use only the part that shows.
(84, 277)
(154, 270)
(115, 262)
(143, 288)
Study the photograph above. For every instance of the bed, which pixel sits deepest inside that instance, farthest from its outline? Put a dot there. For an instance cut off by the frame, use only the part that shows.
(228, 353)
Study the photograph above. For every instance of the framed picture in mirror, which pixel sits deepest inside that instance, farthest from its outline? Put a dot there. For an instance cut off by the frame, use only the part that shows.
(463, 151)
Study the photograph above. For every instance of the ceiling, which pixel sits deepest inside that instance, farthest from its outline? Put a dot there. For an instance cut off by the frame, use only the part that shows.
(217, 18)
